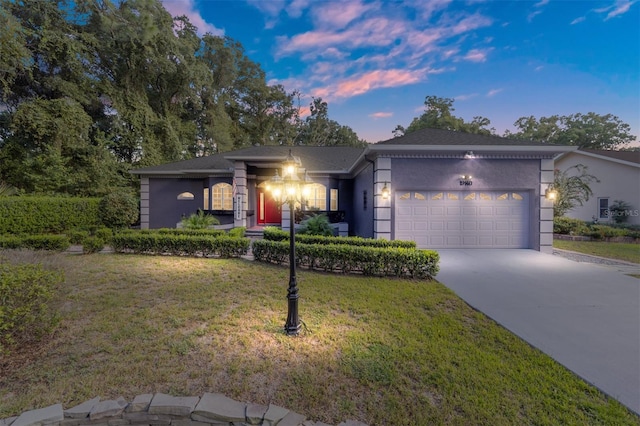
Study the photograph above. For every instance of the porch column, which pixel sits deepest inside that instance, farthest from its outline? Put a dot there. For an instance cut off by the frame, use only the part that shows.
(546, 207)
(382, 207)
(240, 197)
(144, 203)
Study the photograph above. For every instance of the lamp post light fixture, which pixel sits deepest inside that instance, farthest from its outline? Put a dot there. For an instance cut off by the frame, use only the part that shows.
(290, 189)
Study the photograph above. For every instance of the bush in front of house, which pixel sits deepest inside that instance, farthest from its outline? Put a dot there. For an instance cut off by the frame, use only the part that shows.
(272, 233)
(344, 258)
(238, 232)
(42, 215)
(567, 225)
(119, 209)
(570, 226)
(177, 231)
(92, 245)
(316, 225)
(25, 314)
(35, 242)
(602, 232)
(199, 220)
(179, 245)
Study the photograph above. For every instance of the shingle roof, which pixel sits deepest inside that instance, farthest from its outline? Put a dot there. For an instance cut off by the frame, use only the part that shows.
(448, 137)
(211, 162)
(630, 156)
(313, 158)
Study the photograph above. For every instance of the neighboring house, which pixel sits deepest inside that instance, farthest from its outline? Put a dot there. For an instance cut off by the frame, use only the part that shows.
(447, 189)
(619, 176)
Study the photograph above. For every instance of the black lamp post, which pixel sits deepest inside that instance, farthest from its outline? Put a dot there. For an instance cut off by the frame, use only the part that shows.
(288, 189)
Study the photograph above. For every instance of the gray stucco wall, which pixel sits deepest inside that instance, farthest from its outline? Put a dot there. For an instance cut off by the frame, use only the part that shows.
(488, 174)
(164, 207)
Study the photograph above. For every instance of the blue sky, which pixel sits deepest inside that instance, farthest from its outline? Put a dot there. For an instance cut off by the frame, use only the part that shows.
(374, 62)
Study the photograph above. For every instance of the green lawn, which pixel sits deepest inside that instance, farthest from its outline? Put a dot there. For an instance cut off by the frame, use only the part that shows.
(622, 251)
(383, 351)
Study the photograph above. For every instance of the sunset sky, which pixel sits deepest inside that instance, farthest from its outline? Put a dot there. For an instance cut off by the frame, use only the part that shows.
(374, 62)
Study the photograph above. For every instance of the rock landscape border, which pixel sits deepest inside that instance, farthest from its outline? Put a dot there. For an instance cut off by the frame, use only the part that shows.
(212, 409)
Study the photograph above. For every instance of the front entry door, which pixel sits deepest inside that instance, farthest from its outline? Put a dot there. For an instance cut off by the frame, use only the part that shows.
(268, 211)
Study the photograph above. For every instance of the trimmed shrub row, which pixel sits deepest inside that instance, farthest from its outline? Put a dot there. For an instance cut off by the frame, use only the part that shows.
(24, 312)
(179, 245)
(276, 234)
(35, 242)
(42, 215)
(372, 261)
(176, 231)
(570, 226)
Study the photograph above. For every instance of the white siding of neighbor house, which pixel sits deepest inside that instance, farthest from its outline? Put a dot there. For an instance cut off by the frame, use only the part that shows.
(617, 182)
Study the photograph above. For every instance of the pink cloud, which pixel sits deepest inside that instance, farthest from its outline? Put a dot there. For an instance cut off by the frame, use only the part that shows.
(476, 55)
(471, 23)
(375, 80)
(340, 14)
(377, 115)
(188, 8)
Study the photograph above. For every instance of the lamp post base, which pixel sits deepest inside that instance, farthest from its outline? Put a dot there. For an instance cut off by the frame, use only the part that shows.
(293, 324)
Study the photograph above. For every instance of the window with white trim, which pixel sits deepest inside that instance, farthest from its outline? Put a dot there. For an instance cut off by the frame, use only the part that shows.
(317, 198)
(603, 208)
(222, 196)
(205, 197)
(333, 195)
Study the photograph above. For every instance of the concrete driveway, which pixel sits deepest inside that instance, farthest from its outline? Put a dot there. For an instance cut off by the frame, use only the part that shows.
(585, 316)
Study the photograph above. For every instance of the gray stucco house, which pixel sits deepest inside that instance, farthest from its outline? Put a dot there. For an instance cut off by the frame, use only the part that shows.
(447, 189)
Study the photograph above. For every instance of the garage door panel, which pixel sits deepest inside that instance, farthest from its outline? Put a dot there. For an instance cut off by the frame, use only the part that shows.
(420, 211)
(469, 226)
(485, 225)
(437, 225)
(453, 211)
(452, 226)
(459, 219)
(420, 226)
(437, 211)
(469, 211)
(404, 225)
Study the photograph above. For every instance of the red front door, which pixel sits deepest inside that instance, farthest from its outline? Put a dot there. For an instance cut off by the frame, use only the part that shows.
(268, 211)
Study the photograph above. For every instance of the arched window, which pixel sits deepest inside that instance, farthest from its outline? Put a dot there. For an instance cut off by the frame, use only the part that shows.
(185, 196)
(222, 196)
(317, 197)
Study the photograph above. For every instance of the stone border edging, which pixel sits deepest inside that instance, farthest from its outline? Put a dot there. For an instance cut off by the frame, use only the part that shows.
(212, 409)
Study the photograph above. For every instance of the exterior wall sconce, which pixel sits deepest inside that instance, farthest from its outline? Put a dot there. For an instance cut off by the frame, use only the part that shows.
(466, 180)
(551, 193)
(385, 191)
(469, 155)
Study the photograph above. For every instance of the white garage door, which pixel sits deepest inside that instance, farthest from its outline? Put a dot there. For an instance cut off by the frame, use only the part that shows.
(463, 219)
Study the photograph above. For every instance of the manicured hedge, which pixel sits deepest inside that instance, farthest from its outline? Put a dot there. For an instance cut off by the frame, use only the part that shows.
(42, 215)
(179, 245)
(35, 242)
(24, 312)
(389, 261)
(275, 234)
(179, 231)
